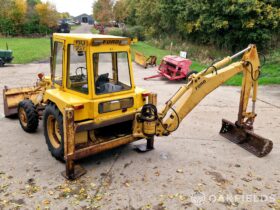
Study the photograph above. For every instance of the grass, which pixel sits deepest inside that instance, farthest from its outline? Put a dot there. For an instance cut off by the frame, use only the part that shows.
(94, 31)
(148, 50)
(270, 71)
(26, 50)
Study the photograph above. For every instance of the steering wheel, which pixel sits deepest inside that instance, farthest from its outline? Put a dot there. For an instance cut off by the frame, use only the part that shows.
(81, 76)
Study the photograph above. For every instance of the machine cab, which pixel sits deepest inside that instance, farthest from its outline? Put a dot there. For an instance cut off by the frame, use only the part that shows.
(94, 64)
(97, 68)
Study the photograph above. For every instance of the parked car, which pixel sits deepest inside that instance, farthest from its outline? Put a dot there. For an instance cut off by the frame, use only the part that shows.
(63, 27)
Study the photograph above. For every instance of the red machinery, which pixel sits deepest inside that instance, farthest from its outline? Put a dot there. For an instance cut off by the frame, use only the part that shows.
(174, 68)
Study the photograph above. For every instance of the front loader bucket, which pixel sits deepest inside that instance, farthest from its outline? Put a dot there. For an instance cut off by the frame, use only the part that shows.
(246, 139)
(12, 97)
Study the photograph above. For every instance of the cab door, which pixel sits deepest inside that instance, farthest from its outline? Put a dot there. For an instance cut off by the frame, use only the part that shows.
(78, 72)
(58, 63)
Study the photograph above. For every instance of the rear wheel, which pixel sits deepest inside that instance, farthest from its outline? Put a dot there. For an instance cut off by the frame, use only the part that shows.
(190, 73)
(28, 116)
(53, 131)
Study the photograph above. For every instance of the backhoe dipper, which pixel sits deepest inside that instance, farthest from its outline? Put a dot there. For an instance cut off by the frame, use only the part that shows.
(90, 103)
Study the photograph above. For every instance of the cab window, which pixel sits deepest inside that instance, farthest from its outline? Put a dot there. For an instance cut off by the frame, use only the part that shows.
(111, 72)
(58, 62)
(77, 70)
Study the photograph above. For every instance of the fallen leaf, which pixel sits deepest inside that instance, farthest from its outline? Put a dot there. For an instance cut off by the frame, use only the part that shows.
(246, 179)
(267, 186)
(51, 192)
(235, 204)
(256, 188)
(46, 202)
(183, 198)
(93, 185)
(98, 197)
(250, 174)
(127, 183)
(170, 196)
(157, 173)
(239, 191)
(180, 171)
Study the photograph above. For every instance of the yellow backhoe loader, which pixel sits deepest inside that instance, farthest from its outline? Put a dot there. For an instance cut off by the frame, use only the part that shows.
(90, 103)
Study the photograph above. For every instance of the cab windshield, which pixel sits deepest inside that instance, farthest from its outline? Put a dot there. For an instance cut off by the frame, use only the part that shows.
(111, 72)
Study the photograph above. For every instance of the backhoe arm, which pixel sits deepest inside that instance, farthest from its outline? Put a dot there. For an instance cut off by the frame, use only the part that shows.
(200, 85)
(150, 122)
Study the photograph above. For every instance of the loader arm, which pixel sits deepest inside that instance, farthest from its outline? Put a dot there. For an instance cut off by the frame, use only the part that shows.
(150, 122)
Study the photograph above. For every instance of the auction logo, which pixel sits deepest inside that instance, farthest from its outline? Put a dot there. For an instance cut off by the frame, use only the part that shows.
(198, 198)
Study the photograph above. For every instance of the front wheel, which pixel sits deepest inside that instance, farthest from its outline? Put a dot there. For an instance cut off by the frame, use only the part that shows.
(28, 116)
(53, 131)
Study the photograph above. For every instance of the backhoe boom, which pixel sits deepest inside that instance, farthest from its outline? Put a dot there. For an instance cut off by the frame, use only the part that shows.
(200, 85)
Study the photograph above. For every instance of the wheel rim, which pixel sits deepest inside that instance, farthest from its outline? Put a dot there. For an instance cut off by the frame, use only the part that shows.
(22, 117)
(53, 132)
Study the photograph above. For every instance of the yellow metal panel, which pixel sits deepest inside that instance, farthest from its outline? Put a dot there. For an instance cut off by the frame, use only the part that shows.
(90, 111)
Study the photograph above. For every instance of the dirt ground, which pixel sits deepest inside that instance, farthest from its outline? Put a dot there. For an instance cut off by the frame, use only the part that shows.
(192, 168)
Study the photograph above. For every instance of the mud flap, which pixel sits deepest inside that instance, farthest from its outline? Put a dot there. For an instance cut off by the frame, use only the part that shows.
(246, 139)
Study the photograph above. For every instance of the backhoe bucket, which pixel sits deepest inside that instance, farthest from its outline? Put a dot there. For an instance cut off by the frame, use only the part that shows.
(12, 97)
(246, 139)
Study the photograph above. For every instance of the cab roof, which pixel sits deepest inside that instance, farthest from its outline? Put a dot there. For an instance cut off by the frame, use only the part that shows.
(86, 36)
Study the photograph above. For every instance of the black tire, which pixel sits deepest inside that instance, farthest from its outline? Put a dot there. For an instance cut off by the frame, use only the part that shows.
(190, 73)
(53, 131)
(28, 116)
(2, 63)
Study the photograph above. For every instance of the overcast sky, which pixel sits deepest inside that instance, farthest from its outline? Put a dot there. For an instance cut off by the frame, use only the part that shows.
(74, 7)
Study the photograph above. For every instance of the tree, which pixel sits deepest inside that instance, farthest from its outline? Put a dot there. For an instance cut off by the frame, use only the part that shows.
(229, 23)
(47, 14)
(102, 11)
(18, 11)
(6, 5)
(131, 6)
(148, 15)
(32, 3)
(120, 11)
(64, 15)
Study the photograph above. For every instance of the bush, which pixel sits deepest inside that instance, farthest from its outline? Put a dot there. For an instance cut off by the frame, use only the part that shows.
(135, 31)
(131, 32)
(116, 32)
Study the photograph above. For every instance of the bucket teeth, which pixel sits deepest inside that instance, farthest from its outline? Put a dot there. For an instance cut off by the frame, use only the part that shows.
(246, 139)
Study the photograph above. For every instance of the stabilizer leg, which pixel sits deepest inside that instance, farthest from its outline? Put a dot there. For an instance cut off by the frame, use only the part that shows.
(72, 171)
(146, 147)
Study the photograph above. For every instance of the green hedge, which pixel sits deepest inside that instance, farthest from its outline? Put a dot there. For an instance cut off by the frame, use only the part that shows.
(9, 28)
(130, 31)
